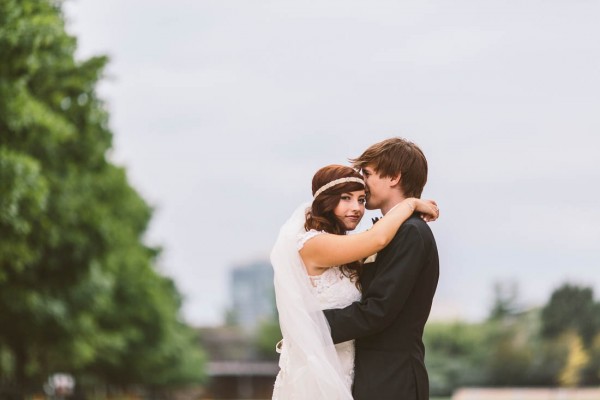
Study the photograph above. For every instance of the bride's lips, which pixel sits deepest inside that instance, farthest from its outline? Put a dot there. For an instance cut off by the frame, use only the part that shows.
(354, 218)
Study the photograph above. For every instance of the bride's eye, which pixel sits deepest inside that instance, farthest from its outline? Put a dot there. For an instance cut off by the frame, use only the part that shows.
(345, 197)
(362, 200)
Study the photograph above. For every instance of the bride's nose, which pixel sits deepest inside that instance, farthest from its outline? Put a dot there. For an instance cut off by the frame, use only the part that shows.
(356, 205)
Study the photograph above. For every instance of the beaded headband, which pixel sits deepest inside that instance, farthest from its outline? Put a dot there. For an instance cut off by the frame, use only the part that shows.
(337, 182)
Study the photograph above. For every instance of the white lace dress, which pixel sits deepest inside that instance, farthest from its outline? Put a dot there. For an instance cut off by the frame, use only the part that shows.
(333, 290)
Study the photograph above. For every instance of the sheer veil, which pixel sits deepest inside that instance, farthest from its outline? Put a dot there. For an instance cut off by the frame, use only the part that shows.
(314, 370)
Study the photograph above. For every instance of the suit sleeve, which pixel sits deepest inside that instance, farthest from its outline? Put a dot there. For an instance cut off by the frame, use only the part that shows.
(398, 269)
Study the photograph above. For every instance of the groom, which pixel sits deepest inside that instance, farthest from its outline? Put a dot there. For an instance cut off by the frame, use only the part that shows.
(397, 289)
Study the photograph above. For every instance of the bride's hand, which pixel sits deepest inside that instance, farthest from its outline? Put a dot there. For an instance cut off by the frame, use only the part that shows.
(428, 209)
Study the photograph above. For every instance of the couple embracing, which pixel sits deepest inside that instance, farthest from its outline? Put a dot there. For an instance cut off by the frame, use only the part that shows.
(352, 308)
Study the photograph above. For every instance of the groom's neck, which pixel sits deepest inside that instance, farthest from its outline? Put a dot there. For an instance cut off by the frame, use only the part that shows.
(391, 202)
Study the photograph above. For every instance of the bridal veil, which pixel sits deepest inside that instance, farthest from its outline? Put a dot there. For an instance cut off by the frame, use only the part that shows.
(313, 371)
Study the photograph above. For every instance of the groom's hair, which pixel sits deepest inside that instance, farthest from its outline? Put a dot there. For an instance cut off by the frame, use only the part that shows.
(393, 157)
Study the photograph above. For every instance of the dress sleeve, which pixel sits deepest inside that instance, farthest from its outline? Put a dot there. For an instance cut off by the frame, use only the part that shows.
(306, 236)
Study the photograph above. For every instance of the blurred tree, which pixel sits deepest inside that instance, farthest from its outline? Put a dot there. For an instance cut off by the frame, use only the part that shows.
(267, 336)
(571, 308)
(591, 374)
(456, 352)
(537, 347)
(577, 359)
(506, 295)
(510, 353)
(548, 358)
(23, 195)
(78, 291)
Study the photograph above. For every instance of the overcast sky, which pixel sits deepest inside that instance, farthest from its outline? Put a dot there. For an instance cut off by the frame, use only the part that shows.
(223, 110)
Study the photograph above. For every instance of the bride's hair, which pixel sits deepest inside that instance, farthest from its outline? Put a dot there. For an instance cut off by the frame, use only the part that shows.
(321, 216)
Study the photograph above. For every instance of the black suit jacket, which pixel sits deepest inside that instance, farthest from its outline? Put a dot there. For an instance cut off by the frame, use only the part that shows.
(388, 322)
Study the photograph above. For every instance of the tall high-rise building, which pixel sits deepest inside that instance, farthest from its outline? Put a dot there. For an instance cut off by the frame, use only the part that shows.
(253, 294)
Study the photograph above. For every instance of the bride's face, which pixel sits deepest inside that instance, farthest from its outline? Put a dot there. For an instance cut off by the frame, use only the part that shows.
(351, 209)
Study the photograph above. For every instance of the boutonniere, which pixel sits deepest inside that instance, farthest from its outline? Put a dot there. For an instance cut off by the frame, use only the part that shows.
(370, 259)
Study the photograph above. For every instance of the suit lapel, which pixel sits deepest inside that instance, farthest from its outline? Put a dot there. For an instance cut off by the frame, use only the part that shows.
(369, 272)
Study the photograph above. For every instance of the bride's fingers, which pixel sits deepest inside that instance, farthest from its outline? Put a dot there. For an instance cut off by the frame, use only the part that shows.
(432, 214)
(435, 213)
(426, 217)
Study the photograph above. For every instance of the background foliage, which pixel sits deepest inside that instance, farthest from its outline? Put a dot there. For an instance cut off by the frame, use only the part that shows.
(555, 345)
(78, 288)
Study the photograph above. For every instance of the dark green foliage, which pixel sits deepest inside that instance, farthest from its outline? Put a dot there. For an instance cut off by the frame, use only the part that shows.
(571, 307)
(517, 348)
(78, 291)
(511, 348)
(508, 349)
(268, 334)
(455, 352)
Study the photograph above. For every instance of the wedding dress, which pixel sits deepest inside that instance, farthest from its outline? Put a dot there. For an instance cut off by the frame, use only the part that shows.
(311, 367)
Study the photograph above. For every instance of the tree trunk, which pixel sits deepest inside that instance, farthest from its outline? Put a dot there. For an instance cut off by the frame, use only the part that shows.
(20, 354)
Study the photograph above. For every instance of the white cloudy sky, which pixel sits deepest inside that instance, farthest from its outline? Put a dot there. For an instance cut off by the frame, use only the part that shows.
(223, 109)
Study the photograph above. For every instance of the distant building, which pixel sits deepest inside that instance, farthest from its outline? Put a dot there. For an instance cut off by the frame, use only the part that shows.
(253, 294)
(234, 370)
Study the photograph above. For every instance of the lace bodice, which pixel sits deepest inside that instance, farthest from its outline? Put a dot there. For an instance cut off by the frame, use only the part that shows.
(333, 289)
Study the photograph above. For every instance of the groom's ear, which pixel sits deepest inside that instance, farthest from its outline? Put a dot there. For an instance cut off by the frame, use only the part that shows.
(395, 180)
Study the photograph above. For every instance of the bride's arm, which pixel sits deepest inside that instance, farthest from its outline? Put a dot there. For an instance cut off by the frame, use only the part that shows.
(329, 250)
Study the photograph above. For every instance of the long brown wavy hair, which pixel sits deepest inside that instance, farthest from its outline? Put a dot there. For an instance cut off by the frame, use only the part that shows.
(321, 216)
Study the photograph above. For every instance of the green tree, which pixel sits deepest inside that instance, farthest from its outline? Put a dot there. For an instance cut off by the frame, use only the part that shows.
(577, 360)
(23, 195)
(456, 352)
(510, 354)
(571, 308)
(78, 291)
(506, 296)
(591, 375)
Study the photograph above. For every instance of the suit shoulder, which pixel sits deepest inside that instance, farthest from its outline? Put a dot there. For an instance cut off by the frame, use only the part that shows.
(409, 230)
(414, 223)
(415, 226)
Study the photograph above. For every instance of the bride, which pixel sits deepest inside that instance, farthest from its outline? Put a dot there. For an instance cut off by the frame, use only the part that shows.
(317, 267)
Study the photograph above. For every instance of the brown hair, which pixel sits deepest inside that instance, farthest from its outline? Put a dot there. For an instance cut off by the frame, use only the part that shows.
(321, 216)
(393, 157)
